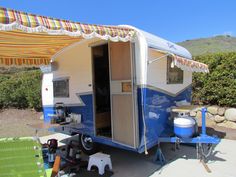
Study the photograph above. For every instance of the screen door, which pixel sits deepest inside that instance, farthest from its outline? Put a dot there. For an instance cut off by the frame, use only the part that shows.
(123, 124)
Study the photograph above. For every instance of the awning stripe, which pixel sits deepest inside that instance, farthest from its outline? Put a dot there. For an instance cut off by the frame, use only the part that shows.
(12, 19)
(24, 61)
(181, 62)
(190, 65)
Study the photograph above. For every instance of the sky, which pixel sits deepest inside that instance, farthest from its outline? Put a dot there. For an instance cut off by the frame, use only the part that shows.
(174, 20)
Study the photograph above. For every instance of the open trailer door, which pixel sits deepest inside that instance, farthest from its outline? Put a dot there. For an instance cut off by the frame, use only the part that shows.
(122, 109)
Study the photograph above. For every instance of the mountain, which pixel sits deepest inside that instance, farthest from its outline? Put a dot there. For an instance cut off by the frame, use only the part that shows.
(221, 43)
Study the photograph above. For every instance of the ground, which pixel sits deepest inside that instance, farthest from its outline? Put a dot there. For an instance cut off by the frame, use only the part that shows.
(15, 122)
(180, 163)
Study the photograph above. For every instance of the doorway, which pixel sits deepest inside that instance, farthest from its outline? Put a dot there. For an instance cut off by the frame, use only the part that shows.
(101, 86)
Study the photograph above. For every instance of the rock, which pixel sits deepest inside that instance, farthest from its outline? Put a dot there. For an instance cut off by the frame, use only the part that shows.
(209, 116)
(199, 115)
(213, 109)
(230, 114)
(193, 113)
(221, 111)
(227, 124)
(41, 117)
(209, 122)
(219, 119)
(197, 108)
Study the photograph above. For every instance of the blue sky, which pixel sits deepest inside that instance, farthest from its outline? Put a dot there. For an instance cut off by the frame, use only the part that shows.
(175, 20)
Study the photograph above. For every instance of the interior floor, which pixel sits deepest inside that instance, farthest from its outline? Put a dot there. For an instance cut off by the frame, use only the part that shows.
(102, 90)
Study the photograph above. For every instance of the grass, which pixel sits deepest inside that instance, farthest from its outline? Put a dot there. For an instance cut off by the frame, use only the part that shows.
(19, 157)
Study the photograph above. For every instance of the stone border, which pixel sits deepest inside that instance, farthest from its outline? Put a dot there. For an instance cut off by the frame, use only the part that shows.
(222, 116)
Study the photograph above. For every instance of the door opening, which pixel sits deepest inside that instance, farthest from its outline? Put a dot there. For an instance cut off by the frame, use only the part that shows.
(101, 82)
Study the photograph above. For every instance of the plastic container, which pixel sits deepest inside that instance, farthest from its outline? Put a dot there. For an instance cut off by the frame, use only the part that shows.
(184, 127)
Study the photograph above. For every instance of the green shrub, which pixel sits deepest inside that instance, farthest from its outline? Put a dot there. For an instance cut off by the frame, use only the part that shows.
(21, 90)
(219, 86)
(4, 77)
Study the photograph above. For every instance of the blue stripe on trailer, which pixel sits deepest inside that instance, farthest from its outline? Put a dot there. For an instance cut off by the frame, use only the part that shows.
(47, 112)
(86, 112)
(156, 111)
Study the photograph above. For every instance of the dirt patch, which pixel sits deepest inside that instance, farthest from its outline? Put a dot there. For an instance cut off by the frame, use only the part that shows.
(14, 123)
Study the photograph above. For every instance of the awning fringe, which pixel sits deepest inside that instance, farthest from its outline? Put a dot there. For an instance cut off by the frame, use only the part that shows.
(190, 65)
(17, 20)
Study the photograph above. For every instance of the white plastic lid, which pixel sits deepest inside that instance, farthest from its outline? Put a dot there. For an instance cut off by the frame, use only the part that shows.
(184, 122)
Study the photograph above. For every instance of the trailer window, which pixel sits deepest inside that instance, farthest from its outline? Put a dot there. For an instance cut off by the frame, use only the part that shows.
(61, 88)
(174, 74)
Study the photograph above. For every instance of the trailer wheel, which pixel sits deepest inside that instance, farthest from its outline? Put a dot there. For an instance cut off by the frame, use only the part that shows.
(87, 145)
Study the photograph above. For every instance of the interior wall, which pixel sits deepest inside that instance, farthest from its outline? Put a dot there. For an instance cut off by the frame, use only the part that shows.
(157, 74)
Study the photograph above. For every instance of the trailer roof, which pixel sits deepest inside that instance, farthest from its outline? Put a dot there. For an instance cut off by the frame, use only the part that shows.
(156, 42)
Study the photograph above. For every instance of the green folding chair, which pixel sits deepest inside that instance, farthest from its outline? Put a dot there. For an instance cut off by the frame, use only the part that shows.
(21, 157)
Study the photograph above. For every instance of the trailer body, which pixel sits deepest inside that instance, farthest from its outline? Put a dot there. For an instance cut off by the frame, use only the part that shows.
(123, 91)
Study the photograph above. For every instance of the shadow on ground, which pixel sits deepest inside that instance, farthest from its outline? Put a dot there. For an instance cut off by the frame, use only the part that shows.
(131, 164)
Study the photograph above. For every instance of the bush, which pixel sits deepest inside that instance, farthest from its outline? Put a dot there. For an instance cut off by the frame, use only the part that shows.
(219, 86)
(21, 90)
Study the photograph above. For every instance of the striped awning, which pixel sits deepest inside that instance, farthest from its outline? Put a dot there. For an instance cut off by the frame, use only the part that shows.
(190, 65)
(180, 62)
(28, 39)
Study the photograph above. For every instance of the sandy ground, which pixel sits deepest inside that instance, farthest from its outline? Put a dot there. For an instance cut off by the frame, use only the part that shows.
(15, 123)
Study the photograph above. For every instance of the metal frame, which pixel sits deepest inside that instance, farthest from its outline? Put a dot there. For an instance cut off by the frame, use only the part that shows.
(134, 92)
(203, 138)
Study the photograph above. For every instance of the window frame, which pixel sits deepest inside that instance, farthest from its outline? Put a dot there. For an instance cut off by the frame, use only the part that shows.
(67, 95)
(168, 65)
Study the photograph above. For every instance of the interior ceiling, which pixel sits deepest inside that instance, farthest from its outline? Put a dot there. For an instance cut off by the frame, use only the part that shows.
(18, 44)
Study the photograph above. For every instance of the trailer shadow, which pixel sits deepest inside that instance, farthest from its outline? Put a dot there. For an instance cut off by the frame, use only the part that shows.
(124, 163)
(187, 151)
(216, 131)
(127, 163)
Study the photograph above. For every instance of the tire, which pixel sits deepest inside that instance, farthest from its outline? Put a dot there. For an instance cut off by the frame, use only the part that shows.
(87, 145)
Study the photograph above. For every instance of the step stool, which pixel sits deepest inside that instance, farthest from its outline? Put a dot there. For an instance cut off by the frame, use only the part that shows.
(99, 160)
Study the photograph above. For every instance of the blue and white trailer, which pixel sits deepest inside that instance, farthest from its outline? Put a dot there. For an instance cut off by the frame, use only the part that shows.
(113, 85)
(123, 91)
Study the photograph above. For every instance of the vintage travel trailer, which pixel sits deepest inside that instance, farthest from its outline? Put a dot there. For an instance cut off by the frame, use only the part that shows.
(122, 91)
(112, 85)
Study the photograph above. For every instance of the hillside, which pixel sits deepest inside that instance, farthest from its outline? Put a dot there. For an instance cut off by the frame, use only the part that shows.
(222, 43)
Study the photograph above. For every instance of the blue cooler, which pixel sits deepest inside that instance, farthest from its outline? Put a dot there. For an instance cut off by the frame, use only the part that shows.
(184, 127)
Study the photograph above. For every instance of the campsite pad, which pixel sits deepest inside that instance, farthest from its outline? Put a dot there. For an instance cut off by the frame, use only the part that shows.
(81, 170)
(21, 157)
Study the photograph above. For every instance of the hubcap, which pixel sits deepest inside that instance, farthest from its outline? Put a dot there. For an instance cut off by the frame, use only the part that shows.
(87, 142)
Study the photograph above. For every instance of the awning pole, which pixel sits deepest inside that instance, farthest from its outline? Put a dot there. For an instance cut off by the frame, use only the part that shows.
(156, 59)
